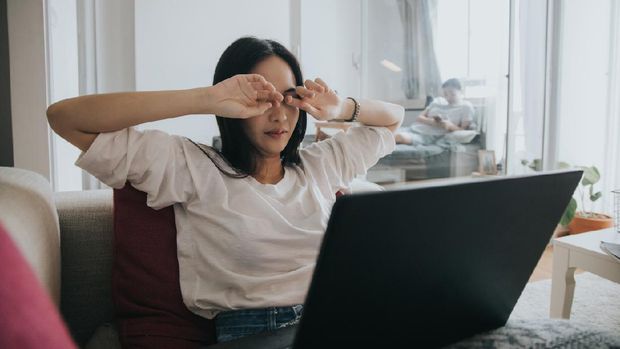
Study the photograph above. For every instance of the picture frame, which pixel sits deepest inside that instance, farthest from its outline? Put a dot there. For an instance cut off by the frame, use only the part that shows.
(486, 162)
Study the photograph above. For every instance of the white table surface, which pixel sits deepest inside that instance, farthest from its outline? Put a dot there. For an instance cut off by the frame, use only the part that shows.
(581, 251)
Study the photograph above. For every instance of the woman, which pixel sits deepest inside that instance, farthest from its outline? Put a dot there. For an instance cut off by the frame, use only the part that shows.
(249, 219)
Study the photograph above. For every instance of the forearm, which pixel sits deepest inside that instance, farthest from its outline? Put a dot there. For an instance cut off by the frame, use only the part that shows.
(116, 111)
(376, 113)
(79, 120)
(426, 120)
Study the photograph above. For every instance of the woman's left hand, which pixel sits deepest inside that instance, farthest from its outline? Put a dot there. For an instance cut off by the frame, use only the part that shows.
(317, 99)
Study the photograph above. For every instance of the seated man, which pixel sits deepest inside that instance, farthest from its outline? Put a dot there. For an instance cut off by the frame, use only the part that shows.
(442, 116)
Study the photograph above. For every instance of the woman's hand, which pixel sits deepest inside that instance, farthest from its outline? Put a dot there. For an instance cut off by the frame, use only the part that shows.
(317, 99)
(242, 96)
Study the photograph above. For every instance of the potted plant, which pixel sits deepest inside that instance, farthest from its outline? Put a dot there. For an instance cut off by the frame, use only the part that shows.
(586, 220)
(573, 221)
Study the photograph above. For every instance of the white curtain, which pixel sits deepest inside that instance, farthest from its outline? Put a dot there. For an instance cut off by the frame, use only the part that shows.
(532, 22)
(421, 73)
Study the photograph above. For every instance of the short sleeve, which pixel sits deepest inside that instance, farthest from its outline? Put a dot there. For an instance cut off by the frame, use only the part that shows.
(335, 162)
(469, 115)
(152, 161)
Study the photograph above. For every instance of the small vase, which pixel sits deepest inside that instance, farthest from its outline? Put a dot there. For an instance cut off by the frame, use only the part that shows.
(581, 224)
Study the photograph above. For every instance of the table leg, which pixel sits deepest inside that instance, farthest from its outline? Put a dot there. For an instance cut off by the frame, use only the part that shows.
(562, 284)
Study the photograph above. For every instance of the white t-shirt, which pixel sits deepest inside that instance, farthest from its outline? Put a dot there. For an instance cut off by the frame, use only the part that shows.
(456, 113)
(240, 244)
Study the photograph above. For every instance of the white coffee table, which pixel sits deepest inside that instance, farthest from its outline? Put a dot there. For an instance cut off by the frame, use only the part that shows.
(579, 251)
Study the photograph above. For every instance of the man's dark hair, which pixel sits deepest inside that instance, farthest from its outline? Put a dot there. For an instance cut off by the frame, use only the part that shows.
(453, 83)
(237, 149)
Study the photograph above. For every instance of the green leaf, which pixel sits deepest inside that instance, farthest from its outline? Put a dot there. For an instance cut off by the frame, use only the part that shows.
(569, 213)
(536, 165)
(590, 175)
(563, 165)
(596, 196)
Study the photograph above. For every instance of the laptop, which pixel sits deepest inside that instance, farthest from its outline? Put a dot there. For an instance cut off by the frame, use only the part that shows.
(425, 266)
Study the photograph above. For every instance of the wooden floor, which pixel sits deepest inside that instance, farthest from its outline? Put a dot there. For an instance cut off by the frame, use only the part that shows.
(545, 266)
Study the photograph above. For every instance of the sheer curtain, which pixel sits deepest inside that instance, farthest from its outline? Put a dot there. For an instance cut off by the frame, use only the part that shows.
(421, 76)
(587, 103)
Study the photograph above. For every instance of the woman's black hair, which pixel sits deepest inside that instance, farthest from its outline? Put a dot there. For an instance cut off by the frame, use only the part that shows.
(237, 149)
(454, 83)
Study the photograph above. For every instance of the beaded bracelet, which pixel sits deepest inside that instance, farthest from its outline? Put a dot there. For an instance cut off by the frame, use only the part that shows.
(356, 110)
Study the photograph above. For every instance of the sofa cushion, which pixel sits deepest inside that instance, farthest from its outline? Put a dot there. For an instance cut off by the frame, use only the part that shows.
(86, 245)
(145, 278)
(29, 318)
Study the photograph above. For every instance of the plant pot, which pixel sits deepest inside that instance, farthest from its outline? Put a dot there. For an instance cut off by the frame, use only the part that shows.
(581, 224)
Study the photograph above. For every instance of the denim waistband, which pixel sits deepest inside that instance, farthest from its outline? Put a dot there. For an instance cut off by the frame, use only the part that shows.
(239, 323)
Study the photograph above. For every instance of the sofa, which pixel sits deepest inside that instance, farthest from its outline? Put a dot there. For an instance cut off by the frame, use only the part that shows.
(68, 240)
(455, 156)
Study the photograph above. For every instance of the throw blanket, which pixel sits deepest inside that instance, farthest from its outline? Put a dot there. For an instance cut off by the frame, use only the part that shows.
(545, 333)
(427, 145)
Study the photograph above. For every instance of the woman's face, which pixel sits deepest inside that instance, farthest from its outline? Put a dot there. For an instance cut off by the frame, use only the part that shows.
(271, 131)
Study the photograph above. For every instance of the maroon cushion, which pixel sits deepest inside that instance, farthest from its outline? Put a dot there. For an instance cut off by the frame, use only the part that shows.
(145, 279)
(28, 317)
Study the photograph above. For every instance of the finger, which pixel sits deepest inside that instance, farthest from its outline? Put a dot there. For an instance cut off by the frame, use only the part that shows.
(298, 103)
(269, 96)
(258, 109)
(304, 92)
(262, 86)
(309, 109)
(254, 78)
(314, 86)
(292, 101)
(322, 83)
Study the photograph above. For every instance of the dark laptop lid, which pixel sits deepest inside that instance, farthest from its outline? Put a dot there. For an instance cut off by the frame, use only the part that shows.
(429, 266)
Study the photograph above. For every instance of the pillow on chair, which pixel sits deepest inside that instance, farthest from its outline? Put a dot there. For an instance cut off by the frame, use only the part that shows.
(145, 279)
(28, 318)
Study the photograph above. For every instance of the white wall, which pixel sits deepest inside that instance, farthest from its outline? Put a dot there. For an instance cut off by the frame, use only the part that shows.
(331, 45)
(26, 27)
(63, 71)
(583, 84)
(178, 44)
(383, 41)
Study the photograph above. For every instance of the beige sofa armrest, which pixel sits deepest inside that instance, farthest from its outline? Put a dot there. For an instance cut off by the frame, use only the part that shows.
(28, 212)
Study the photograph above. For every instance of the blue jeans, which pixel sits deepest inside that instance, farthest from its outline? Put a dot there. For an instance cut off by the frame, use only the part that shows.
(235, 324)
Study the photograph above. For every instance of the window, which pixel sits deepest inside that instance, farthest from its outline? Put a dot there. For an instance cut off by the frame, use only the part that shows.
(422, 44)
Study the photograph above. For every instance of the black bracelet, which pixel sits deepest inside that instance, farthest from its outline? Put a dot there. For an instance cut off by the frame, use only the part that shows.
(356, 110)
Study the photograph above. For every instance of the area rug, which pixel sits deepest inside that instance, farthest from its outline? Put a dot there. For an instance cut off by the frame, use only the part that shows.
(596, 302)
(594, 321)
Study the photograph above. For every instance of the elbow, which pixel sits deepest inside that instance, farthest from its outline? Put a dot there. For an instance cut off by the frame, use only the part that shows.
(399, 116)
(53, 115)
(57, 118)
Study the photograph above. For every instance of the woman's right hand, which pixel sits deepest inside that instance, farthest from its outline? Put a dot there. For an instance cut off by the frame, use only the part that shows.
(242, 96)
